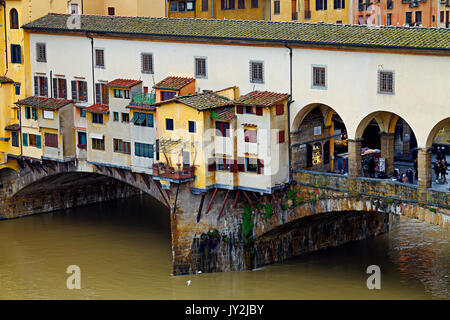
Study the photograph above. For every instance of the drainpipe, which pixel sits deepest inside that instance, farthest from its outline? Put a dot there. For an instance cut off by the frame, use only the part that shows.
(212, 9)
(289, 111)
(82, 6)
(51, 84)
(93, 74)
(6, 39)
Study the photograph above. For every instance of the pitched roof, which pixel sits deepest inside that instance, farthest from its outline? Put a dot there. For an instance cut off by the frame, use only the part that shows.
(13, 127)
(262, 98)
(97, 108)
(310, 34)
(6, 80)
(173, 83)
(200, 101)
(43, 102)
(225, 114)
(123, 83)
(143, 107)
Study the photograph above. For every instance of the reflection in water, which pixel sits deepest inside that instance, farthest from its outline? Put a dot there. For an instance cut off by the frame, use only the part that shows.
(124, 252)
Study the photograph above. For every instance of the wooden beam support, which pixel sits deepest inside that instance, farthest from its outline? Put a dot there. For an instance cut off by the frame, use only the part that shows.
(248, 198)
(211, 201)
(223, 205)
(199, 213)
(121, 174)
(236, 199)
(176, 198)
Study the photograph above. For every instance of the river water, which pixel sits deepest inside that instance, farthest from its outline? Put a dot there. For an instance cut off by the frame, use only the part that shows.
(123, 250)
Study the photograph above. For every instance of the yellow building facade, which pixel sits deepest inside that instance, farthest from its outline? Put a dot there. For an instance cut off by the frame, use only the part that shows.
(147, 8)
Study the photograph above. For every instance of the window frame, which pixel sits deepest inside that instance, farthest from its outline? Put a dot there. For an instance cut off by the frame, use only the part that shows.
(169, 120)
(252, 79)
(152, 61)
(14, 58)
(39, 58)
(97, 65)
(379, 89)
(313, 84)
(13, 19)
(198, 75)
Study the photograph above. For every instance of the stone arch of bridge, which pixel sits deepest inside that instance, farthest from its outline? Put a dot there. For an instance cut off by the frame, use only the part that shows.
(441, 125)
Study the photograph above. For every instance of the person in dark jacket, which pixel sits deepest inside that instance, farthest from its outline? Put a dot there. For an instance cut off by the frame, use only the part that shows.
(437, 169)
(371, 166)
(444, 170)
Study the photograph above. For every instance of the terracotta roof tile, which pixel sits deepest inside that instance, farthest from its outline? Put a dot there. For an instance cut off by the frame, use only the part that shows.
(5, 80)
(262, 98)
(98, 108)
(173, 83)
(310, 34)
(123, 83)
(43, 102)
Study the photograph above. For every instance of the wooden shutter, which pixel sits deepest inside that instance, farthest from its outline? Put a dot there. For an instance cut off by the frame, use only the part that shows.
(36, 86)
(241, 164)
(45, 87)
(279, 109)
(74, 90)
(281, 136)
(223, 4)
(260, 166)
(85, 90)
(232, 4)
(55, 88)
(25, 139)
(211, 164)
(38, 141)
(259, 111)
(98, 95)
(239, 109)
(64, 88)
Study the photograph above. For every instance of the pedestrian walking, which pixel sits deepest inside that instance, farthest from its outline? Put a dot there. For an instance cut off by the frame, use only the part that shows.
(444, 170)
(437, 169)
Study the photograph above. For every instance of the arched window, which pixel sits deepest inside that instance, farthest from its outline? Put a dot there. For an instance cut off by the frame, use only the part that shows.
(14, 19)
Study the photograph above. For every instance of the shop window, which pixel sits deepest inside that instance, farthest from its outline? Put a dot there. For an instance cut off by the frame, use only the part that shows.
(317, 154)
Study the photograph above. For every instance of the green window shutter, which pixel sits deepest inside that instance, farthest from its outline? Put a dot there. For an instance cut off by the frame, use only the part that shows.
(150, 151)
(149, 120)
(38, 141)
(135, 117)
(25, 139)
(27, 112)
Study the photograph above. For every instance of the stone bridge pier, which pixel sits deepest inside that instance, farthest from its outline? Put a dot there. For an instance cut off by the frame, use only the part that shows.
(226, 230)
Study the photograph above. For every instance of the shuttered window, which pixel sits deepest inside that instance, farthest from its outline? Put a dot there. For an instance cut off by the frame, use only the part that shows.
(13, 19)
(16, 53)
(41, 54)
(319, 75)
(205, 5)
(281, 136)
(51, 140)
(60, 88)
(222, 129)
(15, 139)
(79, 91)
(276, 7)
(100, 58)
(101, 94)
(41, 86)
(147, 62)
(227, 4)
(241, 4)
(98, 144)
(121, 146)
(143, 150)
(254, 3)
(279, 109)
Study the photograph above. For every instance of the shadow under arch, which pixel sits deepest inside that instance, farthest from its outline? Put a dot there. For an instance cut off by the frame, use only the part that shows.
(437, 127)
(7, 174)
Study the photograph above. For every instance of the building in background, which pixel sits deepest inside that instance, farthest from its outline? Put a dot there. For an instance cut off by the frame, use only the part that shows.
(146, 8)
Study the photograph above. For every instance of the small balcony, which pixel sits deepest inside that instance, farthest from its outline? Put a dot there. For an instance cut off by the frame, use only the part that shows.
(179, 175)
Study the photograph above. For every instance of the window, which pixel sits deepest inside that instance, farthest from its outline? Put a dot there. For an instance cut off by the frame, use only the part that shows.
(418, 17)
(82, 113)
(74, 8)
(40, 86)
(319, 77)
(390, 4)
(15, 139)
(82, 140)
(205, 5)
(98, 144)
(339, 4)
(60, 88)
(256, 72)
(111, 11)
(190, 6)
(121, 146)
(200, 67)
(100, 58)
(222, 129)
(143, 150)
(147, 62)
(442, 17)
(173, 6)
(27, 112)
(125, 117)
(385, 82)
(276, 7)
(118, 93)
(115, 116)
(101, 94)
(389, 19)
(249, 110)
(142, 119)
(41, 54)
(14, 19)
(97, 118)
(51, 140)
(169, 124)
(167, 95)
(127, 94)
(281, 136)
(279, 109)
(79, 91)
(223, 164)
(31, 140)
(254, 3)
(34, 113)
(17, 88)
(250, 135)
(227, 4)
(251, 165)
(16, 54)
(241, 4)
(191, 125)
(408, 17)
(321, 5)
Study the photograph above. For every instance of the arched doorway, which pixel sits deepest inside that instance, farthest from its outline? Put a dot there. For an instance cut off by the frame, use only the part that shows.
(388, 148)
(319, 140)
(437, 157)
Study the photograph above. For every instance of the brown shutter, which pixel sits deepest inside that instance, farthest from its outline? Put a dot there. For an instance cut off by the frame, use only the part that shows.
(260, 166)
(55, 88)
(98, 99)
(74, 90)
(241, 164)
(211, 164)
(36, 86)
(259, 111)
(239, 109)
(85, 91)
(45, 87)
(64, 89)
